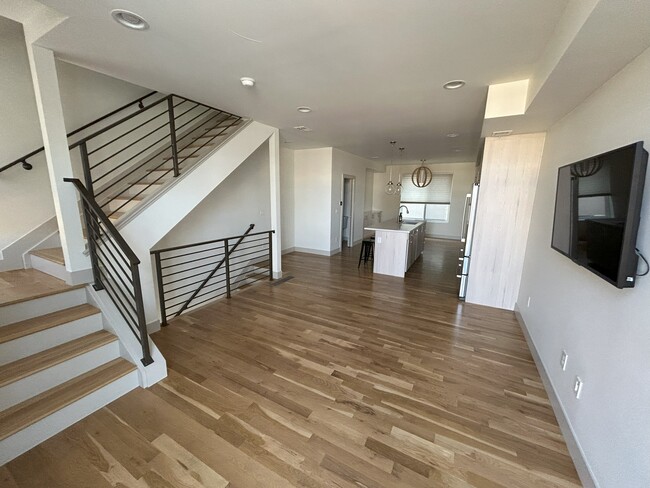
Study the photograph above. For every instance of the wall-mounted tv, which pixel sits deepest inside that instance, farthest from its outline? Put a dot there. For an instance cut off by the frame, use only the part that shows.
(597, 212)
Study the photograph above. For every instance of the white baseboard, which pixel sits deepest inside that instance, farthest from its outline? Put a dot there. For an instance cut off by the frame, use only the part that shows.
(320, 252)
(288, 250)
(582, 467)
(440, 236)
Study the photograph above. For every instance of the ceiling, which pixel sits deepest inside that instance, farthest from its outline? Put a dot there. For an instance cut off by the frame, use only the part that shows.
(371, 70)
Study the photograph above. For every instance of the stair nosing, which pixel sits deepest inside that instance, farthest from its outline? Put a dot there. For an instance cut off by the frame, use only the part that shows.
(7, 429)
(106, 338)
(60, 317)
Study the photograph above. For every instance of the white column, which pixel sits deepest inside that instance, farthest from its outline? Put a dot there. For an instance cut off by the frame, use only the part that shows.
(50, 113)
(274, 167)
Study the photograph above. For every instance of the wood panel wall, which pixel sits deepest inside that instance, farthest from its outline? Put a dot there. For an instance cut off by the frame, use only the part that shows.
(506, 195)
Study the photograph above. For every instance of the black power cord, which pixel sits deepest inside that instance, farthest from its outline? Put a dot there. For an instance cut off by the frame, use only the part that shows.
(638, 253)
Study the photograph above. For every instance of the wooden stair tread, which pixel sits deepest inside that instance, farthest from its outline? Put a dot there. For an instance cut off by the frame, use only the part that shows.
(128, 198)
(115, 215)
(31, 326)
(54, 254)
(22, 285)
(24, 414)
(12, 372)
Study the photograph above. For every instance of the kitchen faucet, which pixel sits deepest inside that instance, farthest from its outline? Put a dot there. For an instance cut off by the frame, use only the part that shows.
(399, 219)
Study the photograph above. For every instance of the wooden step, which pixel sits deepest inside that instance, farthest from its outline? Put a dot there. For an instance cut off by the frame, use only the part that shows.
(27, 284)
(54, 254)
(12, 372)
(37, 408)
(115, 215)
(31, 326)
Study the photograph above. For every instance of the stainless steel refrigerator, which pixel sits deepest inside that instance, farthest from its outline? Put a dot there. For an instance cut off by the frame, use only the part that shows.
(465, 253)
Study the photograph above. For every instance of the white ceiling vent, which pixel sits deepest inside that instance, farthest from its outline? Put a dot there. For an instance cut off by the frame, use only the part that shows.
(501, 133)
(302, 128)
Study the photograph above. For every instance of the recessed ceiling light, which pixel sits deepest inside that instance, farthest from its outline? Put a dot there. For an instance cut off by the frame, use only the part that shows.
(129, 19)
(457, 150)
(304, 110)
(453, 134)
(247, 81)
(374, 157)
(302, 128)
(453, 84)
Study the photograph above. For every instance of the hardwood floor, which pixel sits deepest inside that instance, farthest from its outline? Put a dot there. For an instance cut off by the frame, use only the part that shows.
(334, 377)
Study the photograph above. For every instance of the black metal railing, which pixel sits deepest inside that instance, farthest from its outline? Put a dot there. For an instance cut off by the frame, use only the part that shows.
(115, 267)
(193, 274)
(122, 161)
(25, 159)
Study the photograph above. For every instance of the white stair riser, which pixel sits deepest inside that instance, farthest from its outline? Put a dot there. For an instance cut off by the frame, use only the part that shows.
(32, 385)
(17, 312)
(49, 267)
(13, 446)
(40, 341)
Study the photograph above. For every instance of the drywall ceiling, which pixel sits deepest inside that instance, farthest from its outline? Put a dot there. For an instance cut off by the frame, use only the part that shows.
(372, 70)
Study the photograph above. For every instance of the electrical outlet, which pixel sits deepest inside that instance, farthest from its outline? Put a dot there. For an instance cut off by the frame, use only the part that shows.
(563, 360)
(577, 387)
(528, 304)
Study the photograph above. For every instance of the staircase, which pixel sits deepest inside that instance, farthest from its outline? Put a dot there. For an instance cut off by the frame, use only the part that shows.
(58, 364)
(65, 351)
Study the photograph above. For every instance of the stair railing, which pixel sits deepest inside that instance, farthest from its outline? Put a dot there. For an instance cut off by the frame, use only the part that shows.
(115, 267)
(124, 159)
(193, 274)
(24, 159)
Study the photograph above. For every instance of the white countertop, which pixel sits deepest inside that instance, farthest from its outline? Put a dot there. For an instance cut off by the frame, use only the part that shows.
(394, 226)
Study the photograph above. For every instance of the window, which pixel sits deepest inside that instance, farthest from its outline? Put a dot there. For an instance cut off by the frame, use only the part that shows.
(431, 203)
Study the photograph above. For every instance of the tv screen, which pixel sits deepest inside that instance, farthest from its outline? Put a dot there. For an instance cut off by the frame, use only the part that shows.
(597, 211)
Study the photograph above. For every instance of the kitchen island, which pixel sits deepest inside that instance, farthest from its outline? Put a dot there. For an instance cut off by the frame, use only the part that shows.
(397, 246)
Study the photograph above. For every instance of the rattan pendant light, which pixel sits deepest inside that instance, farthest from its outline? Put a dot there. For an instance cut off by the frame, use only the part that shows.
(422, 175)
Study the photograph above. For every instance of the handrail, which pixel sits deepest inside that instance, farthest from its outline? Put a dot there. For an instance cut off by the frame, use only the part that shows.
(124, 247)
(214, 241)
(24, 159)
(108, 270)
(223, 260)
(211, 269)
(118, 122)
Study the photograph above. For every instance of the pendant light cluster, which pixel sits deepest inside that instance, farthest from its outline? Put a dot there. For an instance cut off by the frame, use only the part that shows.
(420, 178)
(390, 188)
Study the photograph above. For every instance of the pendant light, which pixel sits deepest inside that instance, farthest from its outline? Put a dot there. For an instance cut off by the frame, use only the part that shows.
(390, 186)
(398, 186)
(587, 168)
(422, 175)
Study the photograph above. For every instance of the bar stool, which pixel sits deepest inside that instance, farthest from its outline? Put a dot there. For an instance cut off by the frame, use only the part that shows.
(367, 250)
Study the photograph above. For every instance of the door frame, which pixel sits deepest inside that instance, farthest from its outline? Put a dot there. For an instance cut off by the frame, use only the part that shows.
(353, 184)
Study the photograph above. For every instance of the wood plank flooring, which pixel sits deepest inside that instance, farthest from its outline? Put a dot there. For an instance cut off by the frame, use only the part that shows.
(334, 378)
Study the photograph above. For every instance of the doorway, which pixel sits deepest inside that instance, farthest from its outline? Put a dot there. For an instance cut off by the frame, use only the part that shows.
(347, 211)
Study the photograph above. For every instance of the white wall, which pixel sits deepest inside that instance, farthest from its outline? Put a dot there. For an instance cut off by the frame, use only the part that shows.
(313, 197)
(368, 196)
(461, 185)
(85, 94)
(606, 331)
(243, 198)
(287, 197)
(344, 163)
